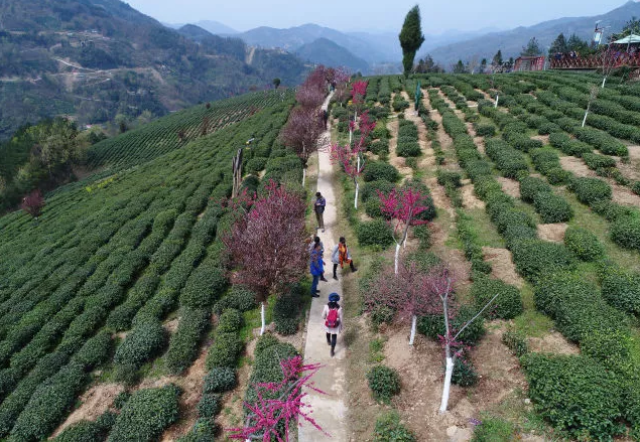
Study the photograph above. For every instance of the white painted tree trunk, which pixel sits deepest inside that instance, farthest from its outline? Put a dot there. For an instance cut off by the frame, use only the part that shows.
(397, 260)
(447, 384)
(497, 99)
(355, 201)
(604, 80)
(414, 323)
(304, 175)
(584, 120)
(263, 317)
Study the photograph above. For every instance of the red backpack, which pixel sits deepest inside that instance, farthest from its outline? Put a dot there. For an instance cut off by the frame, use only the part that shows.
(333, 319)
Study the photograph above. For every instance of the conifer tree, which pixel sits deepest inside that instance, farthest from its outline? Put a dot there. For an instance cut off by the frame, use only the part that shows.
(411, 38)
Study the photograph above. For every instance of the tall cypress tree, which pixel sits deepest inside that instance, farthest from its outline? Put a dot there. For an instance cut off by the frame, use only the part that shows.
(411, 38)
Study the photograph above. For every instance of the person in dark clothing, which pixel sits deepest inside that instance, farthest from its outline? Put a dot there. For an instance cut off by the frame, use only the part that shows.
(316, 241)
(325, 117)
(319, 207)
(317, 269)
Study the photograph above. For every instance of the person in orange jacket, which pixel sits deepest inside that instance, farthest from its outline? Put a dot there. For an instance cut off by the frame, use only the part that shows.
(340, 256)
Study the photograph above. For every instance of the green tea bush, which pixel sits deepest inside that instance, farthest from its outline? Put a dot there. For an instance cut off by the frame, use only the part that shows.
(507, 305)
(621, 289)
(146, 415)
(230, 321)
(379, 171)
(266, 368)
(225, 350)
(625, 231)
(485, 130)
(552, 208)
(535, 258)
(635, 187)
(375, 233)
(381, 131)
(447, 177)
(590, 190)
(389, 429)
(408, 149)
(464, 374)
(373, 208)
(205, 285)
(95, 351)
(558, 176)
(204, 430)
(256, 165)
(185, 342)
(433, 326)
(576, 394)
(286, 311)
(239, 298)
(89, 431)
(583, 244)
(531, 186)
(384, 383)
(209, 405)
(220, 380)
(370, 190)
(142, 343)
(380, 147)
(507, 159)
(516, 342)
(548, 128)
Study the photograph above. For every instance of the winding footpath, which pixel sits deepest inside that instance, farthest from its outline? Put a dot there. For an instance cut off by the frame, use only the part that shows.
(329, 410)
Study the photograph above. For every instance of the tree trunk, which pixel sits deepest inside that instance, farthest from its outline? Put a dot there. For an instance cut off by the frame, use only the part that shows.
(397, 259)
(447, 382)
(604, 80)
(497, 99)
(263, 317)
(355, 202)
(304, 175)
(584, 120)
(414, 323)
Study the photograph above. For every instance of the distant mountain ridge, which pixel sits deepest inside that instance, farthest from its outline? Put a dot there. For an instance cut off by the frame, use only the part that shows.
(212, 26)
(512, 41)
(326, 52)
(95, 59)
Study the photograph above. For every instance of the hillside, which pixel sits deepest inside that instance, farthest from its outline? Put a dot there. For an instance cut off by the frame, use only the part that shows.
(93, 60)
(511, 42)
(328, 53)
(212, 26)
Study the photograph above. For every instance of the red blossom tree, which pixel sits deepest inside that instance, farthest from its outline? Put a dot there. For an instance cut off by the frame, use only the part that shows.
(33, 203)
(268, 415)
(358, 92)
(267, 243)
(351, 157)
(401, 208)
(301, 134)
(405, 291)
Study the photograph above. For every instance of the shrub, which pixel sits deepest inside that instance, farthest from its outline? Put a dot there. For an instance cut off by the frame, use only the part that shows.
(184, 344)
(494, 430)
(384, 382)
(146, 415)
(530, 187)
(548, 128)
(240, 298)
(485, 130)
(595, 161)
(590, 190)
(535, 258)
(380, 171)
(433, 326)
(516, 342)
(95, 351)
(370, 190)
(142, 343)
(507, 305)
(373, 208)
(583, 244)
(447, 177)
(635, 187)
(88, 431)
(464, 374)
(286, 311)
(209, 405)
(408, 149)
(256, 165)
(380, 147)
(220, 380)
(576, 394)
(206, 284)
(558, 176)
(621, 289)
(552, 208)
(204, 430)
(389, 429)
(375, 233)
(230, 322)
(225, 350)
(625, 231)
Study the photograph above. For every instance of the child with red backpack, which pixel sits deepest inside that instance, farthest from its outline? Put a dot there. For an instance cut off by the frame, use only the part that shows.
(332, 315)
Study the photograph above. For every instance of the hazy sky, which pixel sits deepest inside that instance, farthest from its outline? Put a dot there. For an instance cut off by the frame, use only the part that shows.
(371, 15)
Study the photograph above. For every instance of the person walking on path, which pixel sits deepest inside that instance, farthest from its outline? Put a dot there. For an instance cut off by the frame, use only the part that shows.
(316, 240)
(319, 207)
(317, 269)
(340, 256)
(332, 314)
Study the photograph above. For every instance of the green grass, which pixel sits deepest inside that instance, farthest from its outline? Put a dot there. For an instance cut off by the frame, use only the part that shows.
(485, 231)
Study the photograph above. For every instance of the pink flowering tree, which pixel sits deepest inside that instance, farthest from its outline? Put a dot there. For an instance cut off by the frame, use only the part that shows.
(351, 157)
(440, 284)
(267, 243)
(267, 415)
(358, 92)
(401, 208)
(33, 204)
(301, 134)
(404, 291)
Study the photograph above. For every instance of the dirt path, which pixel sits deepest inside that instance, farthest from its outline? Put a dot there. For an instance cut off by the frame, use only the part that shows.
(330, 410)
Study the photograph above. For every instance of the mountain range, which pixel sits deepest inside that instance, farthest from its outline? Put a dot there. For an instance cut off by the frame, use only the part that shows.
(95, 59)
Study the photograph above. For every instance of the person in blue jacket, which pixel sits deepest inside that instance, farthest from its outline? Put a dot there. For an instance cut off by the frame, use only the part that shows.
(316, 268)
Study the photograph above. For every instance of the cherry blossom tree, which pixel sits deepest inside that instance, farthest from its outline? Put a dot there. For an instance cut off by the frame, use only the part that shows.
(301, 134)
(405, 291)
(351, 157)
(440, 284)
(33, 204)
(401, 208)
(310, 97)
(267, 416)
(358, 92)
(267, 243)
